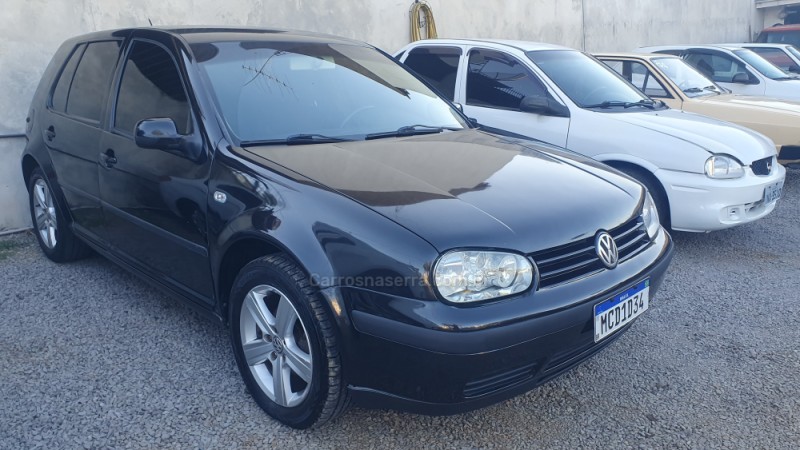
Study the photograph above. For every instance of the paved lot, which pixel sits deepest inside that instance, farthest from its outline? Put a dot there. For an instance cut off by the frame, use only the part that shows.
(92, 357)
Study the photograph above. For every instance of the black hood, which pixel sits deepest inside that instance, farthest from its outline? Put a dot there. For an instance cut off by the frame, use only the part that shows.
(470, 188)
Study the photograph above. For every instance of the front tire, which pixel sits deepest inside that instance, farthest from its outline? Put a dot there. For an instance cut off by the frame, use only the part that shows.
(285, 344)
(56, 239)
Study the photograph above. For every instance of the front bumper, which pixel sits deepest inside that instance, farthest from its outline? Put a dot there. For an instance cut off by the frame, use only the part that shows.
(699, 203)
(431, 358)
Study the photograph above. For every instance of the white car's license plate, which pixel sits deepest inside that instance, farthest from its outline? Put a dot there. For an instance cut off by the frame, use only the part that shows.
(773, 192)
(614, 313)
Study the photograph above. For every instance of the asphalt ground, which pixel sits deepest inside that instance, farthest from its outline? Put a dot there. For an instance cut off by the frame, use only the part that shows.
(92, 357)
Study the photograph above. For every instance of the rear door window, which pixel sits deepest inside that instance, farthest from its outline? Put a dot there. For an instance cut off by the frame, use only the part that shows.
(640, 76)
(151, 87)
(89, 90)
(438, 66)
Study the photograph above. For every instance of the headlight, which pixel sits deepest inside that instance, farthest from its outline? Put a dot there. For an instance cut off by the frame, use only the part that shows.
(724, 166)
(650, 216)
(471, 276)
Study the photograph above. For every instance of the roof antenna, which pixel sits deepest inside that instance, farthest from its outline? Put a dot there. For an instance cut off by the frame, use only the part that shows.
(151, 22)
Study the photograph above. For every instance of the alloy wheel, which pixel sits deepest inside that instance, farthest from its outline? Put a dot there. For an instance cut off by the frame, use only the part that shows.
(45, 213)
(276, 346)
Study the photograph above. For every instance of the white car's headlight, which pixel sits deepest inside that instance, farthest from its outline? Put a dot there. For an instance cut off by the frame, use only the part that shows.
(650, 216)
(724, 166)
(471, 276)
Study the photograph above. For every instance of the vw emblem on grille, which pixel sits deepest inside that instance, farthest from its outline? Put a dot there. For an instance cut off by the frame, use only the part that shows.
(606, 249)
(769, 166)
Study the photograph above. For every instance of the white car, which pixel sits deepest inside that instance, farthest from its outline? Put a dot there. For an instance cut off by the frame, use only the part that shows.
(738, 69)
(785, 56)
(704, 174)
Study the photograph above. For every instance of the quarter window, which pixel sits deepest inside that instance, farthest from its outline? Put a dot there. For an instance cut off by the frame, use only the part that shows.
(151, 87)
(438, 66)
(496, 80)
(89, 91)
(59, 100)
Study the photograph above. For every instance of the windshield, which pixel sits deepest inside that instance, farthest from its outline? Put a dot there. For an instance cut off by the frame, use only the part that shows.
(783, 37)
(588, 82)
(760, 64)
(689, 80)
(317, 92)
(794, 51)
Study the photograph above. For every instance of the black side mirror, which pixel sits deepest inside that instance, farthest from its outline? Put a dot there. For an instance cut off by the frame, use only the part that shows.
(741, 78)
(543, 105)
(159, 133)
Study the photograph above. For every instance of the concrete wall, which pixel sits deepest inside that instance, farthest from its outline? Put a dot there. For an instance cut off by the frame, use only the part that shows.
(31, 30)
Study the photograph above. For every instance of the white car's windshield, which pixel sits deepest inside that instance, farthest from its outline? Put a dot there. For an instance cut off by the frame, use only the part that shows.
(794, 51)
(762, 65)
(308, 92)
(689, 80)
(588, 82)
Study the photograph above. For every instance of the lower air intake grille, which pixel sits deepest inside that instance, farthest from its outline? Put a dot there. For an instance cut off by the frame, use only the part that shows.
(762, 166)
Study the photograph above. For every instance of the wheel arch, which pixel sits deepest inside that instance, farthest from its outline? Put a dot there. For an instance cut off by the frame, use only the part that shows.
(644, 170)
(238, 252)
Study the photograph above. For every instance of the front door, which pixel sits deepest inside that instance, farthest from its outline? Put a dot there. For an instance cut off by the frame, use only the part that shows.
(496, 83)
(727, 72)
(154, 201)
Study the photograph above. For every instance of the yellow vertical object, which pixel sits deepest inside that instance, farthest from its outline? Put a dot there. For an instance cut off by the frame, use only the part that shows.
(424, 21)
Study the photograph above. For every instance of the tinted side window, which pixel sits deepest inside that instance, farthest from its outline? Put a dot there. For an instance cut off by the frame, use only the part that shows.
(59, 100)
(89, 90)
(151, 87)
(496, 80)
(640, 76)
(717, 67)
(438, 66)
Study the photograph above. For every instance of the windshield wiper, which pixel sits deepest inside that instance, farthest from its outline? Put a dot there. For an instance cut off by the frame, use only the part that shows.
(646, 103)
(297, 139)
(410, 130)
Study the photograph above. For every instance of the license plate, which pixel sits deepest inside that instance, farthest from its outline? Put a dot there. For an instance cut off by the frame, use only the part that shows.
(773, 192)
(614, 313)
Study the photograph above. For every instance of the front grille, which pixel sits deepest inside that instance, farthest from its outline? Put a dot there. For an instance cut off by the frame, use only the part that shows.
(762, 166)
(579, 259)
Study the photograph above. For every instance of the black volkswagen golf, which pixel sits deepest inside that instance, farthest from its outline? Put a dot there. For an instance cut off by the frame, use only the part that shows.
(360, 237)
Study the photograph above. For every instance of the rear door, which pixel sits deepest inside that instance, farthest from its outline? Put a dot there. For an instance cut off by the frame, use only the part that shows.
(156, 201)
(72, 130)
(495, 84)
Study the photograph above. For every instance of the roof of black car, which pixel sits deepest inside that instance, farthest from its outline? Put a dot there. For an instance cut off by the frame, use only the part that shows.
(196, 34)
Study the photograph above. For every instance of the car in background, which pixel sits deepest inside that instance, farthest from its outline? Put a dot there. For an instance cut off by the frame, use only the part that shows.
(785, 56)
(781, 34)
(358, 236)
(735, 68)
(671, 80)
(704, 174)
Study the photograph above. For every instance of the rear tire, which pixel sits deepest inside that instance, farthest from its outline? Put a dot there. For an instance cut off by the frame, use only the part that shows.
(50, 224)
(285, 344)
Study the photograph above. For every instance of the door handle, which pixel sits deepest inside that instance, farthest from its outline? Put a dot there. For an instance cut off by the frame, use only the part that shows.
(50, 133)
(108, 158)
